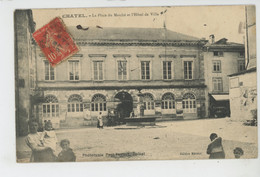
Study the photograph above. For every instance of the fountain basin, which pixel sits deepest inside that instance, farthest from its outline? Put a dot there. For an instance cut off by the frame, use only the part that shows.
(140, 121)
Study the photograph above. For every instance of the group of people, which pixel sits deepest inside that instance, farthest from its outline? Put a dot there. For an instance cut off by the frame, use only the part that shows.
(43, 145)
(216, 151)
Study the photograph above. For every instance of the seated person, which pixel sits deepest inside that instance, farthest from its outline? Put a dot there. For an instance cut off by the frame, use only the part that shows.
(40, 153)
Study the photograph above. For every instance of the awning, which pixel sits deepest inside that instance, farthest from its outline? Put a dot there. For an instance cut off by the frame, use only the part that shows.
(220, 97)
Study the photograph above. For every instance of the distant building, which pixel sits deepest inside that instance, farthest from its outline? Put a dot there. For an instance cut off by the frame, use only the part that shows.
(243, 85)
(118, 64)
(24, 69)
(221, 59)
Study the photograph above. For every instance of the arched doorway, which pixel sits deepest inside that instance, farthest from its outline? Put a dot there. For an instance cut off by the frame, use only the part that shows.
(126, 106)
(168, 103)
(189, 103)
(75, 106)
(50, 107)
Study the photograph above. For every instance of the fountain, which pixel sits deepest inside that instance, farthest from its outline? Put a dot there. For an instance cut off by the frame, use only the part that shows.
(139, 119)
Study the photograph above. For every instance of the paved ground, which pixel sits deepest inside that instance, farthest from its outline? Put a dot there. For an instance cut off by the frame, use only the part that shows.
(166, 140)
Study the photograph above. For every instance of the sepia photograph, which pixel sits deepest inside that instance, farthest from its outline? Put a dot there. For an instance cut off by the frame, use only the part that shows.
(135, 83)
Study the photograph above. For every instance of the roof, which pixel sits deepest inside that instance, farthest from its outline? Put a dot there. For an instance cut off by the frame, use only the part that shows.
(222, 43)
(109, 33)
(243, 72)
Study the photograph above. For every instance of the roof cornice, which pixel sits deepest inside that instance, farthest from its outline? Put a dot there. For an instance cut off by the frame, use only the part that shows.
(224, 48)
(137, 43)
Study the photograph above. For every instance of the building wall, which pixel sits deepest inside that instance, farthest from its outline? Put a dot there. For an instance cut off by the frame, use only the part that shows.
(251, 23)
(243, 96)
(229, 65)
(110, 70)
(243, 86)
(63, 95)
(86, 87)
(24, 57)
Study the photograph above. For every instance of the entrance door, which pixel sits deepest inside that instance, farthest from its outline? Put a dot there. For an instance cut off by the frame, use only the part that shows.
(75, 106)
(126, 106)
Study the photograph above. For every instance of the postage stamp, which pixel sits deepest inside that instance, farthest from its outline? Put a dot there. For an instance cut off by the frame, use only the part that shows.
(55, 42)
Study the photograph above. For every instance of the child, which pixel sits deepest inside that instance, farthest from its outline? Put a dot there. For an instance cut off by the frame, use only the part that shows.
(238, 152)
(48, 137)
(66, 154)
(215, 148)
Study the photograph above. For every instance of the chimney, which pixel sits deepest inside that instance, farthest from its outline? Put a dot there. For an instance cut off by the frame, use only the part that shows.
(211, 39)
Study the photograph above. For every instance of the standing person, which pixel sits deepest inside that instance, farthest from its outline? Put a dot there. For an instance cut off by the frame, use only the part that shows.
(215, 148)
(100, 121)
(44, 123)
(48, 137)
(109, 118)
(40, 153)
(66, 154)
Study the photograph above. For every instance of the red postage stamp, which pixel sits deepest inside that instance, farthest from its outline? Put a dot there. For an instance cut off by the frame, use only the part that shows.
(55, 42)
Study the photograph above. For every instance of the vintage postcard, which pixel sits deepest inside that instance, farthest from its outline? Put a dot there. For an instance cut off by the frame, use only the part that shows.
(140, 83)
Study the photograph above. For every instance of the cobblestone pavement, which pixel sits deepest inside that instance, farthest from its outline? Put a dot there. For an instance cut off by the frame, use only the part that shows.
(165, 141)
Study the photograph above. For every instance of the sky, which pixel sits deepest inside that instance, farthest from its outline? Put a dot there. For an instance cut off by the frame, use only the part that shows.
(197, 21)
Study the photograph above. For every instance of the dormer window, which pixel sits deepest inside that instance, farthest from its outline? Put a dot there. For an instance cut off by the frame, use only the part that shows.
(218, 53)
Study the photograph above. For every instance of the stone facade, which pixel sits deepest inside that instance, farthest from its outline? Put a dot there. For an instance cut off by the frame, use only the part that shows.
(181, 84)
(157, 94)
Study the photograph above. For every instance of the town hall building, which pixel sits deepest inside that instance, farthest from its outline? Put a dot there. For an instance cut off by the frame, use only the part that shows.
(115, 65)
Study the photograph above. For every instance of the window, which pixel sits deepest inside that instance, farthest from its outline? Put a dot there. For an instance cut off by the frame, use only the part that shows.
(168, 101)
(241, 54)
(189, 103)
(145, 70)
(188, 70)
(217, 84)
(98, 103)
(241, 65)
(218, 53)
(217, 66)
(122, 70)
(148, 101)
(73, 70)
(32, 82)
(98, 70)
(49, 71)
(50, 107)
(75, 103)
(167, 70)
